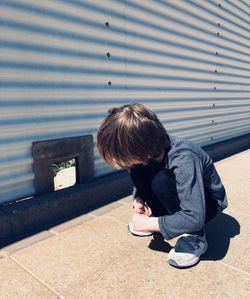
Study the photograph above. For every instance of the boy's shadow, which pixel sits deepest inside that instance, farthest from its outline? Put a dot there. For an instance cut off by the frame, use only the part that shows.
(219, 231)
(158, 244)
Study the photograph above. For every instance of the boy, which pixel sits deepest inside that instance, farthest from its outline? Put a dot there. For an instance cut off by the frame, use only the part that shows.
(172, 176)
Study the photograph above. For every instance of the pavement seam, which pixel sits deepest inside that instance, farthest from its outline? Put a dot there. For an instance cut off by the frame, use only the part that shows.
(113, 218)
(37, 278)
(112, 208)
(53, 232)
(93, 215)
(124, 203)
(4, 254)
(235, 268)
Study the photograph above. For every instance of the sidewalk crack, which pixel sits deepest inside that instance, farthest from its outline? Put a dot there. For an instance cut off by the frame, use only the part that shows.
(235, 268)
(37, 278)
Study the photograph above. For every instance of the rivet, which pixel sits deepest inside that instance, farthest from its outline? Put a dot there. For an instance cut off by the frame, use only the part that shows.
(218, 24)
(219, 5)
(212, 138)
(212, 121)
(218, 33)
(109, 83)
(216, 53)
(215, 71)
(107, 24)
(213, 105)
(214, 88)
(108, 54)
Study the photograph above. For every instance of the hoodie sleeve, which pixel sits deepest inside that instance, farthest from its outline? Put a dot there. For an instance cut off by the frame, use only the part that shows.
(188, 171)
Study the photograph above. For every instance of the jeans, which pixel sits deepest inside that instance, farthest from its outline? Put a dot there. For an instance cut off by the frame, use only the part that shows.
(158, 189)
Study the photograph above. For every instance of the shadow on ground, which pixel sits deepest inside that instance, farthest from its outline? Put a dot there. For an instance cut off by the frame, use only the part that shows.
(158, 244)
(219, 231)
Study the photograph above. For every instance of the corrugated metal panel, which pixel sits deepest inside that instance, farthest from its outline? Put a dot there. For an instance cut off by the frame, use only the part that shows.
(186, 60)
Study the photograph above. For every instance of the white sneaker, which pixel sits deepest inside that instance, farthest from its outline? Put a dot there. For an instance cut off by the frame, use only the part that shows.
(187, 250)
(138, 233)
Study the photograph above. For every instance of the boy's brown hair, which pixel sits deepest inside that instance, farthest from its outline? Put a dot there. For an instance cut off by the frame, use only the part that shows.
(131, 134)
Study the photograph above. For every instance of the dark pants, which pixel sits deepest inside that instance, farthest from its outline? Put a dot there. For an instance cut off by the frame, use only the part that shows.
(158, 189)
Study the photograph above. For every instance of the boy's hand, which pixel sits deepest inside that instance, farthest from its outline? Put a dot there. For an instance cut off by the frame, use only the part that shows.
(140, 207)
(142, 222)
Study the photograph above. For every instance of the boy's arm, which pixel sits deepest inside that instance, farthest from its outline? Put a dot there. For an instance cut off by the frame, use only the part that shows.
(188, 172)
(142, 222)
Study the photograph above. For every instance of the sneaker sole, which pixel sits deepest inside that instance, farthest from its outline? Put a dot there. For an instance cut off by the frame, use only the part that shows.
(140, 234)
(191, 263)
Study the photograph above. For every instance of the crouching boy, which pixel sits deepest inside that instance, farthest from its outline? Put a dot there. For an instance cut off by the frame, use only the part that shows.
(172, 176)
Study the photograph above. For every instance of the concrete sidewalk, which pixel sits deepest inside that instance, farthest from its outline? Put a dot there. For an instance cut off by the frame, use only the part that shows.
(94, 256)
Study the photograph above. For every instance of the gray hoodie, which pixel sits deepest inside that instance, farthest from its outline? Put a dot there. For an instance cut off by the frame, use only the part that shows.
(196, 178)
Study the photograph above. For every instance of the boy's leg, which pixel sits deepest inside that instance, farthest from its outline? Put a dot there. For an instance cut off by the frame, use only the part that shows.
(212, 209)
(189, 247)
(164, 187)
(142, 177)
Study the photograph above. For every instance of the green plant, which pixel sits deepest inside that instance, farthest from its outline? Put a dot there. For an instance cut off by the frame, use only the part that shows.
(62, 165)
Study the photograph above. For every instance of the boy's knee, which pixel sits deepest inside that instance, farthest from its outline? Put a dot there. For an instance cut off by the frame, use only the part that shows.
(164, 181)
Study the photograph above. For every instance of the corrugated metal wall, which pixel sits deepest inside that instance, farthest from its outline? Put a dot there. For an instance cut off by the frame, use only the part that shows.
(65, 62)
